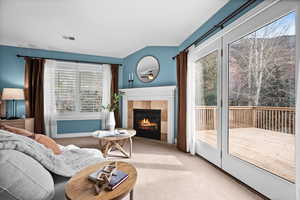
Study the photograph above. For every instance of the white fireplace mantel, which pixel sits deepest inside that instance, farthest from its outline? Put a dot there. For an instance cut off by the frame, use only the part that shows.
(166, 93)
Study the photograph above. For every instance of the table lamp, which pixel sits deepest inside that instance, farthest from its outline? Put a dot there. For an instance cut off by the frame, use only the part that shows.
(13, 94)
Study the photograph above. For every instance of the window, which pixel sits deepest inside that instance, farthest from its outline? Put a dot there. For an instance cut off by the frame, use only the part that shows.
(79, 89)
(65, 89)
(206, 91)
(262, 97)
(90, 91)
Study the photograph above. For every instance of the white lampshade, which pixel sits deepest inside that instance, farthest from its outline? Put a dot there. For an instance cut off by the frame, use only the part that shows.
(12, 94)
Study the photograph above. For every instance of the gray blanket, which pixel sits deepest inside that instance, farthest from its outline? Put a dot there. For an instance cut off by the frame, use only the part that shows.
(71, 160)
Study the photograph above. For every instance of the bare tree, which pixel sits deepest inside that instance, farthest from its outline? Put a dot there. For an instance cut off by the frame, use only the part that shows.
(257, 60)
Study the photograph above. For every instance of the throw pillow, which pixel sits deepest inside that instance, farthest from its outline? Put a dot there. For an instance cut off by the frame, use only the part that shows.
(48, 142)
(17, 130)
(22, 177)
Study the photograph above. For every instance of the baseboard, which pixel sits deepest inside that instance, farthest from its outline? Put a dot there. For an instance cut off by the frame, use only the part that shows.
(71, 135)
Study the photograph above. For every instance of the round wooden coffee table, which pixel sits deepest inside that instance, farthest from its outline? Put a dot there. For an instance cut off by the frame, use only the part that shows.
(80, 188)
(115, 142)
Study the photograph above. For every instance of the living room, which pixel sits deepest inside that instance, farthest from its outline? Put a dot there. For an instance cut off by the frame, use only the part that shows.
(163, 100)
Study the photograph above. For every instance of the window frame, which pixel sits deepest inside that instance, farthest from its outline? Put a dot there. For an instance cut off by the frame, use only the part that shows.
(272, 186)
(77, 115)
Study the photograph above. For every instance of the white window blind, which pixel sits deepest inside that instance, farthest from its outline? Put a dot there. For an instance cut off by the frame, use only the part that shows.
(90, 91)
(81, 89)
(65, 90)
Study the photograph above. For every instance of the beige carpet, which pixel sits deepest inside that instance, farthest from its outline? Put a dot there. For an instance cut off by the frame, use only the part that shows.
(164, 173)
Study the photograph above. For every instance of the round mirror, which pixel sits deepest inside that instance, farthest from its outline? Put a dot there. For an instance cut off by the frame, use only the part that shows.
(147, 69)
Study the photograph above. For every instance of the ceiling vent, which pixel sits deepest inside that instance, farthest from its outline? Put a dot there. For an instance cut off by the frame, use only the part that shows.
(68, 37)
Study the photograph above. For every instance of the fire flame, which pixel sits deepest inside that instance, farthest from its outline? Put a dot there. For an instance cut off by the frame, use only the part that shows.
(146, 122)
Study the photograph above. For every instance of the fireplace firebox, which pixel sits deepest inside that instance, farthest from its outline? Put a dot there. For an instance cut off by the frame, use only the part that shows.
(146, 122)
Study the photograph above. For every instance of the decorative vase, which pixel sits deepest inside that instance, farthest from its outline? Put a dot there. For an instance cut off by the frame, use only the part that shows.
(111, 122)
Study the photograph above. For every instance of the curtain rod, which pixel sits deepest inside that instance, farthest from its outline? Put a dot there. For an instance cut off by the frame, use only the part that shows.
(221, 23)
(65, 60)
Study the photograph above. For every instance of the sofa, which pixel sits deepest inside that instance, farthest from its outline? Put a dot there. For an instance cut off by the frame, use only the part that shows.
(23, 156)
(23, 178)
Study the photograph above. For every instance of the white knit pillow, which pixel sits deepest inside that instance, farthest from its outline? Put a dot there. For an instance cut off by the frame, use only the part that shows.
(23, 178)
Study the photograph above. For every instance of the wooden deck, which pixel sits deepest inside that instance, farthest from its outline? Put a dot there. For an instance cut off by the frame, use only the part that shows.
(270, 150)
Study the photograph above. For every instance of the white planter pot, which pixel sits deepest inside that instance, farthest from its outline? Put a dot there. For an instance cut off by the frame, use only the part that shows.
(111, 122)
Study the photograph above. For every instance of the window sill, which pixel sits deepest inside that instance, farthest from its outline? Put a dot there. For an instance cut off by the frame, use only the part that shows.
(83, 116)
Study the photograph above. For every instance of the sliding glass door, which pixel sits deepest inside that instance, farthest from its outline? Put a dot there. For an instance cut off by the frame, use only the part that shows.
(262, 79)
(259, 101)
(242, 99)
(206, 73)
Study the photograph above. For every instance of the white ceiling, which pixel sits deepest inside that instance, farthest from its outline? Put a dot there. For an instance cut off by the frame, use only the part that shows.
(114, 28)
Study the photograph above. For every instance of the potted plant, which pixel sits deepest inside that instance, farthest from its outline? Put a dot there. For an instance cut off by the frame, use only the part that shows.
(111, 108)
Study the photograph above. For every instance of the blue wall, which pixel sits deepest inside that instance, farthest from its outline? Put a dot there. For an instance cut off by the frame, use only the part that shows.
(167, 74)
(12, 75)
(67, 126)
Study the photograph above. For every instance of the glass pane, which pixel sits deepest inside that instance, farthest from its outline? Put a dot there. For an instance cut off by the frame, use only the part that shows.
(90, 91)
(206, 98)
(262, 97)
(65, 90)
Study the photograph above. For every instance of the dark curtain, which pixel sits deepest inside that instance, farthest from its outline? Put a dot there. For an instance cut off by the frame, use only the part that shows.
(181, 61)
(115, 89)
(34, 92)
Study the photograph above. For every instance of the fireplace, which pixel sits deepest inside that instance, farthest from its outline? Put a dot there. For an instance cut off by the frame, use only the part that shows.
(154, 98)
(147, 123)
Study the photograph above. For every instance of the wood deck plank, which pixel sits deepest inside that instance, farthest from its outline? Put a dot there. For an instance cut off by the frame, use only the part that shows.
(270, 150)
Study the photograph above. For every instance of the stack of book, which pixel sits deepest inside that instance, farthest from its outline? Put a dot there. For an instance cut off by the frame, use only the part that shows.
(117, 178)
(107, 133)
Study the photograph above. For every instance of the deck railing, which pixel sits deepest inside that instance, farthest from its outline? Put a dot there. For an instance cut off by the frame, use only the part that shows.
(281, 119)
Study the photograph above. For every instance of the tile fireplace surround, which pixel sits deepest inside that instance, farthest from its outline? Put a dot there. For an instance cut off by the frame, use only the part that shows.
(162, 98)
